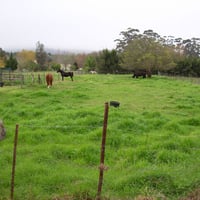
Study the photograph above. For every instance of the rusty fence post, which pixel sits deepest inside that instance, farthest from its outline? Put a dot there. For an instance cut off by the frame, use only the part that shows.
(14, 162)
(102, 167)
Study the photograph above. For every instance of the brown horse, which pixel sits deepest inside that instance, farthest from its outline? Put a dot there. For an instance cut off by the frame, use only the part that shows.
(49, 80)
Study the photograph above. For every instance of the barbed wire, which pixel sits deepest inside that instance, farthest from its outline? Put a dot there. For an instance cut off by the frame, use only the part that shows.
(59, 126)
(76, 128)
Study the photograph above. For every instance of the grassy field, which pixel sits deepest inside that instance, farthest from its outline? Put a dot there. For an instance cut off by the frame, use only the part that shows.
(152, 145)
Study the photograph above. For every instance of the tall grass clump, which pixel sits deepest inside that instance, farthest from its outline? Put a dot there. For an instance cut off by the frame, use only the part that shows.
(152, 145)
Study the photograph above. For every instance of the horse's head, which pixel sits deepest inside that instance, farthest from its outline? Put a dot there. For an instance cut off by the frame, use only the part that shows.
(58, 70)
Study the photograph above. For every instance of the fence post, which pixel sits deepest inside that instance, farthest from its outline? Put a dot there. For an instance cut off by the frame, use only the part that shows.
(22, 79)
(102, 167)
(14, 162)
(39, 79)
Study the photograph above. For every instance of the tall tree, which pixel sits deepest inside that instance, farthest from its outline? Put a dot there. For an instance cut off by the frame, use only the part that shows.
(148, 50)
(108, 61)
(24, 59)
(11, 62)
(127, 36)
(192, 47)
(90, 63)
(41, 56)
(2, 58)
(147, 53)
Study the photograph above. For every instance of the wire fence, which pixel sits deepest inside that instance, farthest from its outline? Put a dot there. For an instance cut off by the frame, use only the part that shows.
(33, 129)
(116, 138)
(8, 77)
(75, 128)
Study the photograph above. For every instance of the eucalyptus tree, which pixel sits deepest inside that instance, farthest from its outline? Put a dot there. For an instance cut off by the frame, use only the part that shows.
(192, 47)
(151, 51)
(126, 38)
(147, 50)
(186, 47)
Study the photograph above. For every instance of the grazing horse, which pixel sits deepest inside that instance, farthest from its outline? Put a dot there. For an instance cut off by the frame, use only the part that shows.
(65, 74)
(49, 80)
(142, 72)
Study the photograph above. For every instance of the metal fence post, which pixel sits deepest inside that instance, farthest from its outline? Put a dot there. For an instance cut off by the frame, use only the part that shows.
(14, 162)
(102, 167)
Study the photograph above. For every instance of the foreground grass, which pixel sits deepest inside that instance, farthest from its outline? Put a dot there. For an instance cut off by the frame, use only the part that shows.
(152, 146)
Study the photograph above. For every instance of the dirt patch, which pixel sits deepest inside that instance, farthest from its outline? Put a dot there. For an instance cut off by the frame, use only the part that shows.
(195, 195)
(144, 198)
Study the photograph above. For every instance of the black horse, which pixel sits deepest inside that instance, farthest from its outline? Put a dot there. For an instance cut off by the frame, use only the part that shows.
(65, 74)
(142, 72)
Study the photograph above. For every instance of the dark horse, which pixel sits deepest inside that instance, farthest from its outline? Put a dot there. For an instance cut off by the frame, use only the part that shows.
(65, 74)
(142, 72)
(49, 80)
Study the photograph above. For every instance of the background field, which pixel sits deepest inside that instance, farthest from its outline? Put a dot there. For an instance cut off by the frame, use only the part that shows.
(152, 146)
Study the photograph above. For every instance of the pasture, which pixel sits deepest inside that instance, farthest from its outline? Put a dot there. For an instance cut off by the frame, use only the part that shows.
(152, 145)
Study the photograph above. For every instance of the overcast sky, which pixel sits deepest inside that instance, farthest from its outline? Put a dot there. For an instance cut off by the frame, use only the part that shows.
(92, 24)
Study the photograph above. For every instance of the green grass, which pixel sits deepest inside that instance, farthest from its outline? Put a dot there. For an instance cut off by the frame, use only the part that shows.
(152, 145)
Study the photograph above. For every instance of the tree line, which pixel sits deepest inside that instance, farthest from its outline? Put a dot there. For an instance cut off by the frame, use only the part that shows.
(155, 53)
(134, 50)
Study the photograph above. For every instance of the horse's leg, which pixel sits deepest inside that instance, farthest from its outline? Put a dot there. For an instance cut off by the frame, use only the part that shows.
(47, 83)
(63, 78)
